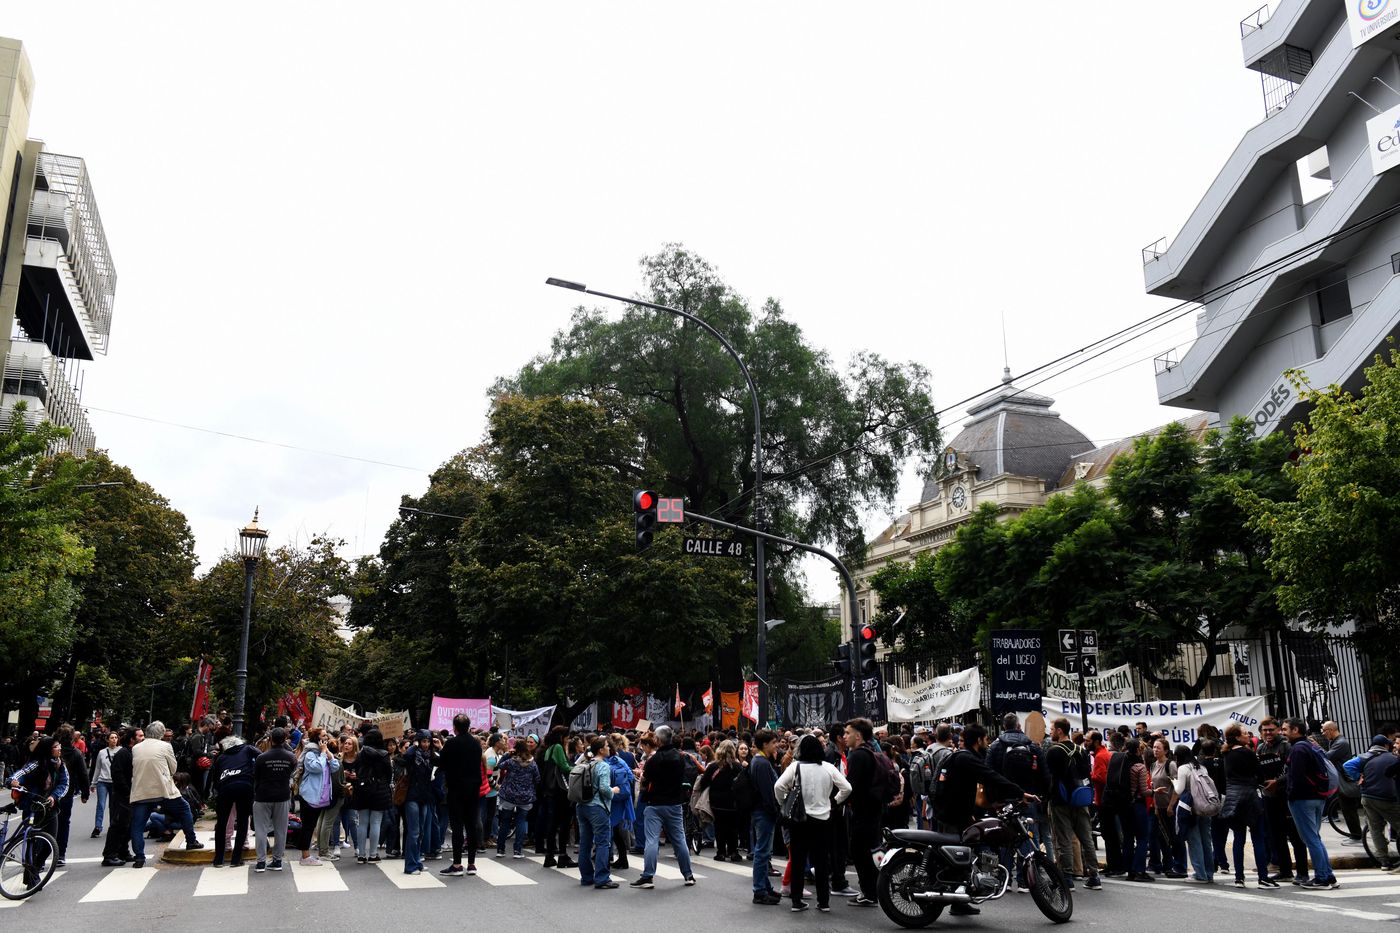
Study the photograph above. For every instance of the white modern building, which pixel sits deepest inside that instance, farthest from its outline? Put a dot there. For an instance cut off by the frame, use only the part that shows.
(57, 281)
(1293, 251)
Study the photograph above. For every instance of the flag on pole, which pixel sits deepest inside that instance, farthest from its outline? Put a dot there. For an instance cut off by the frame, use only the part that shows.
(200, 707)
(680, 704)
(708, 698)
(750, 702)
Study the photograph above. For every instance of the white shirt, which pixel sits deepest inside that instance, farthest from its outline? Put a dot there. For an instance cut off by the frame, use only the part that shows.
(818, 779)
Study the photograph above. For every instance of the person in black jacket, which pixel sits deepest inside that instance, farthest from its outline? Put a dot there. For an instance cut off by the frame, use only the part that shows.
(664, 780)
(864, 807)
(233, 779)
(272, 797)
(372, 776)
(117, 849)
(460, 759)
(763, 774)
(78, 786)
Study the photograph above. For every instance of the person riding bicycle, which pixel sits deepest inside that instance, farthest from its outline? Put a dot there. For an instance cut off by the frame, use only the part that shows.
(46, 777)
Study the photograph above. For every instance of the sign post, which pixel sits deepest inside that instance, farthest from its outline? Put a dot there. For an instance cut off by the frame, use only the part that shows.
(1081, 658)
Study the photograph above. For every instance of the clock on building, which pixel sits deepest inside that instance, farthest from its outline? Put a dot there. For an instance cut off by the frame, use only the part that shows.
(959, 497)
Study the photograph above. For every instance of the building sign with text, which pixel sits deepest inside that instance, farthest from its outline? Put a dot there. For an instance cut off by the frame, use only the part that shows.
(1370, 18)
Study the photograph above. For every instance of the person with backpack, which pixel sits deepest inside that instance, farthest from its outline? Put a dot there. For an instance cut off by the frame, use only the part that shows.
(1311, 780)
(663, 778)
(1071, 796)
(1015, 757)
(591, 791)
(1195, 801)
(1375, 772)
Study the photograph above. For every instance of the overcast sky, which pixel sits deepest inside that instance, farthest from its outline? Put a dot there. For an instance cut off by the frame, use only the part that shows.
(332, 222)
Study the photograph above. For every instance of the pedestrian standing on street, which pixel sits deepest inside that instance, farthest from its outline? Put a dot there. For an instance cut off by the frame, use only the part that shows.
(318, 767)
(79, 785)
(556, 813)
(329, 825)
(372, 777)
(117, 849)
(663, 778)
(763, 776)
(1192, 828)
(1376, 770)
(153, 788)
(865, 808)
(1272, 750)
(622, 814)
(822, 786)
(1338, 750)
(595, 821)
(417, 763)
(1242, 807)
(1307, 795)
(272, 798)
(719, 780)
(1071, 796)
(102, 779)
(519, 787)
(460, 760)
(233, 783)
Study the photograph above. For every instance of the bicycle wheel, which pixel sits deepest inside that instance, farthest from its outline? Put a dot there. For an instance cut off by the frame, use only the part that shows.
(26, 864)
(1337, 820)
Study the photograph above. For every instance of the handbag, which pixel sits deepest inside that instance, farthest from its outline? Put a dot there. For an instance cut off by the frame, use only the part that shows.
(401, 790)
(700, 805)
(794, 808)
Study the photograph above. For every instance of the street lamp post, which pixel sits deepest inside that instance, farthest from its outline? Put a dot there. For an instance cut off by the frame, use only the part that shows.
(760, 569)
(251, 541)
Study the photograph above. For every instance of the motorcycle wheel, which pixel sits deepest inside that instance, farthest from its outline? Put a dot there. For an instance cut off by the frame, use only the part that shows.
(899, 874)
(1048, 889)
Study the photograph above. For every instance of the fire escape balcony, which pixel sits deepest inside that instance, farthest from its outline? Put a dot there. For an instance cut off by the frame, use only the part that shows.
(36, 377)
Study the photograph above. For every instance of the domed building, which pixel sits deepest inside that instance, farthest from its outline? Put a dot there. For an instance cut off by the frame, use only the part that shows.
(1014, 450)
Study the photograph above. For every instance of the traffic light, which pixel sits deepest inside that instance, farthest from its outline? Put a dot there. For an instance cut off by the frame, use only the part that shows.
(842, 663)
(867, 650)
(643, 517)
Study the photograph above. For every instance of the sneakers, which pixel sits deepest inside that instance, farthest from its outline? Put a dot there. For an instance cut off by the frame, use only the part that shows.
(416, 871)
(763, 900)
(690, 881)
(138, 862)
(645, 882)
(1299, 882)
(310, 860)
(860, 900)
(95, 834)
(362, 860)
(1267, 883)
(843, 892)
(516, 855)
(453, 871)
(217, 863)
(471, 869)
(605, 886)
(1093, 884)
(1320, 884)
(824, 908)
(196, 844)
(799, 907)
(260, 867)
(276, 864)
(500, 853)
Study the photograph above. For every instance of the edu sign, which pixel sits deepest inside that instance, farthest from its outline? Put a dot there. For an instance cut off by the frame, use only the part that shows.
(1383, 133)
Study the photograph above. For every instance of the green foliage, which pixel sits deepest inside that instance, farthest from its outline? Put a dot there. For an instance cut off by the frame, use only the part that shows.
(1334, 534)
(41, 556)
(1164, 556)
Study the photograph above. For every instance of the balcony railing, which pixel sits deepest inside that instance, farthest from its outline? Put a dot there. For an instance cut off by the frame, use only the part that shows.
(1154, 251)
(36, 377)
(1255, 21)
(64, 211)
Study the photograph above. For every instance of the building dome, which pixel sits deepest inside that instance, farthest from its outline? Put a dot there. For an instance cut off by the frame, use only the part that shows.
(1013, 431)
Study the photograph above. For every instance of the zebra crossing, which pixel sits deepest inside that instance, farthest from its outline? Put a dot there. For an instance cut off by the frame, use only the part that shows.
(1344, 901)
(89, 883)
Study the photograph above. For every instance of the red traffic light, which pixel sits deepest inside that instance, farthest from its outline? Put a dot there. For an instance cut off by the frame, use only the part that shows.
(645, 501)
(867, 632)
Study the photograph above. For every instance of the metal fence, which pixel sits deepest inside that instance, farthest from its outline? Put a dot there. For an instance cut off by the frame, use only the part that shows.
(1313, 677)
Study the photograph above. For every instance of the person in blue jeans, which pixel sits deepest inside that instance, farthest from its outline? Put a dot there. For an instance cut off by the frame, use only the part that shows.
(664, 780)
(595, 821)
(519, 789)
(1307, 785)
(417, 763)
(762, 776)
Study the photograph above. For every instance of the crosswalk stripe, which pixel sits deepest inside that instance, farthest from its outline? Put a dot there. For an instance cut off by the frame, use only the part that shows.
(120, 884)
(498, 875)
(217, 882)
(745, 871)
(1291, 904)
(314, 879)
(1346, 892)
(394, 872)
(58, 873)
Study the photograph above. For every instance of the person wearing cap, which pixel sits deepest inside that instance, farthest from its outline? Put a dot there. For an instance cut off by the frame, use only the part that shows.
(1376, 769)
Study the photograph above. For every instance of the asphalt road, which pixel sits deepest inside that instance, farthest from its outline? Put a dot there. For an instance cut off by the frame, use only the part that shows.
(345, 896)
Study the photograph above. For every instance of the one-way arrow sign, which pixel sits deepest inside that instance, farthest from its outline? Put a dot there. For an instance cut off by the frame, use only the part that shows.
(1069, 641)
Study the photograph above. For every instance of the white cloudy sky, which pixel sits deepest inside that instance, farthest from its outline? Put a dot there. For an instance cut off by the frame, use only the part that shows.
(332, 221)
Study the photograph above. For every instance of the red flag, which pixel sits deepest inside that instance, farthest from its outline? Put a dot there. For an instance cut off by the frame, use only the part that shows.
(750, 706)
(708, 698)
(680, 704)
(200, 708)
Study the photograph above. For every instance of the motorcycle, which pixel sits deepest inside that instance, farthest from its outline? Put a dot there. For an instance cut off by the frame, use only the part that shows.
(922, 872)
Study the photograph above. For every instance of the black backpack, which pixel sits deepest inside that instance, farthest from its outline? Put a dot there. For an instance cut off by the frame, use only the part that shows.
(1021, 766)
(1118, 789)
(744, 796)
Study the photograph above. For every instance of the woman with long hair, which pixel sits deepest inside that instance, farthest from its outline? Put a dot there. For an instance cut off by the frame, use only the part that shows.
(519, 787)
(1243, 809)
(719, 778)
(821, 784)
(557, 815)
(622, 816)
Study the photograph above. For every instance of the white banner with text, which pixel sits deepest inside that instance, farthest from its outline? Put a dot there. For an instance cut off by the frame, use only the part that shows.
(935, 699)
(1113, 684)
(1178, 720)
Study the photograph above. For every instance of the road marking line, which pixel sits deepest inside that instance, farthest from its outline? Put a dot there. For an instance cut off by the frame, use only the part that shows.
(1292, 903)
(729, 869)
(394, 872)
(120, 884)
(315, 879)
(1345, 892)
(58, 873)
(217, 882)
(498, 875)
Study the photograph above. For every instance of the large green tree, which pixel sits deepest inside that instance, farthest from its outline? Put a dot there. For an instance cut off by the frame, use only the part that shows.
(1163, 557)
(834, 439)
(1334, 534)
(41, 558)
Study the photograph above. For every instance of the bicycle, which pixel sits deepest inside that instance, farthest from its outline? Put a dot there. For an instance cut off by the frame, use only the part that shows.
(27, 859)
(1335, 818)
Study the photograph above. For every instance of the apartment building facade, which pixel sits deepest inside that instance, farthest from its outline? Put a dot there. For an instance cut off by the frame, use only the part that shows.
(57, 280)
(1294, 249)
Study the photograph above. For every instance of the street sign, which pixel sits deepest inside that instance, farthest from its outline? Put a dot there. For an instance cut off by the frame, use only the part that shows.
(1089, 665)
(670, 511)
(1088, 641)
(1069, 641)
(714, 547)
(1071, 664)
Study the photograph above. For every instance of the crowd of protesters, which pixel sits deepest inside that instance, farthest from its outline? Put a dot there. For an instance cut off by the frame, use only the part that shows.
(1179, 812)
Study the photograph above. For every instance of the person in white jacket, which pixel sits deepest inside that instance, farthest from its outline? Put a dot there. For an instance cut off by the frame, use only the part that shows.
(816, 779)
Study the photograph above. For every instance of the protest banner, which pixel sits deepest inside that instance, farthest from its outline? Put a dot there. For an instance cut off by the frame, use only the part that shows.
(1015, 659)
(936, 698)
(632, 707)
(523, 722)
(444, 708)
(817, 703)
(391, 725)
(329, 717)
(1113, 684)
(1178, 720)
(729, 710)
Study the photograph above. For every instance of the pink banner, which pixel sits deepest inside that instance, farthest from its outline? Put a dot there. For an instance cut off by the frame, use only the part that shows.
(444, 708)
